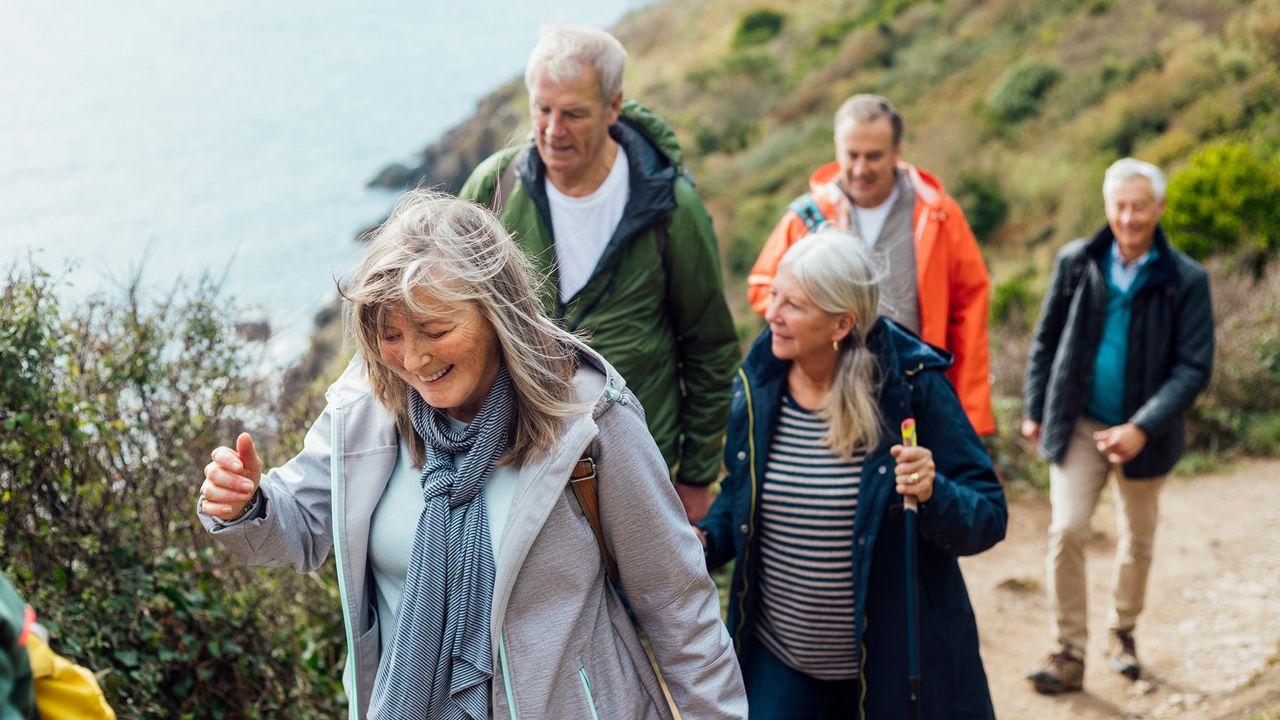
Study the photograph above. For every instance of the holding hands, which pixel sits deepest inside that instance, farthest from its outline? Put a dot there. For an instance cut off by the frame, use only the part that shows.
(230, 479)
(915, 472)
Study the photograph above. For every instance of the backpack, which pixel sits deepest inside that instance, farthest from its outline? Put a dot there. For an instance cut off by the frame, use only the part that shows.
(807, 209)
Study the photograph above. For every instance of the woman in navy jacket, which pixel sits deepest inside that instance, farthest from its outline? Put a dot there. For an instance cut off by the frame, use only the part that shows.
(828, 361)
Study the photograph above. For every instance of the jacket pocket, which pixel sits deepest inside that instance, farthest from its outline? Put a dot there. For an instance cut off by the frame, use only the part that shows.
(586, 689)
(363, 665)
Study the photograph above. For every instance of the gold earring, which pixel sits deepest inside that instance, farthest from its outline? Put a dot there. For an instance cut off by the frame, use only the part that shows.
(835, 345)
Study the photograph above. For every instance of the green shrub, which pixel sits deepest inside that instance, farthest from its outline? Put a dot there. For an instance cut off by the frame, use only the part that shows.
(1227, 197)
(756, 217)
(832, 33)
(1014, 301)
(1238, 411)
(725, 134)
(1017, 94)
(758, 27)
(1017, 462)
(1262, 29)
(983, 202)
(107, 414)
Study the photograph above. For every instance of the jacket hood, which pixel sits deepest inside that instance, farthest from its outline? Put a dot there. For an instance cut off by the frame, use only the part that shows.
(654, 158)
(928, 187)
(600, 388)
(897, 348)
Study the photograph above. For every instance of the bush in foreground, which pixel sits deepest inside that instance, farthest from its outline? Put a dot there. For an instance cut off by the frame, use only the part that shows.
(107, 415)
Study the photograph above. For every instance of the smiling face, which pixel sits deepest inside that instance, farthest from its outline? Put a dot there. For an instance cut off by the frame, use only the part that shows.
(1133, 213)
(801, 330)
(868, 158)
(449, 355)
(571, 124)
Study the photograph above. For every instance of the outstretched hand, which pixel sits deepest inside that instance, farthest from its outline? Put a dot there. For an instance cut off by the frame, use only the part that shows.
(230, 479)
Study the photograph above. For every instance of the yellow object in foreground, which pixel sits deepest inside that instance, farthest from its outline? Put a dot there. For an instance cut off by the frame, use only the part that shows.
(63, 689)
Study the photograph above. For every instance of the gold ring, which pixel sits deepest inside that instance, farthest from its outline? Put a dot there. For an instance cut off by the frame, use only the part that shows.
(915, 478)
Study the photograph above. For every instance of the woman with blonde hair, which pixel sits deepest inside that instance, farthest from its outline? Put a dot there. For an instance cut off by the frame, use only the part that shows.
(472, 582)
(812, 507)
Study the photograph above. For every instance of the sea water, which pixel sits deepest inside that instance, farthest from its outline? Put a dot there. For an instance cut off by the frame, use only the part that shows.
(233, 137)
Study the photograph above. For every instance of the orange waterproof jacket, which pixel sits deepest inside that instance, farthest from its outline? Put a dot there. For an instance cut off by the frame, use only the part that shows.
(951, 278)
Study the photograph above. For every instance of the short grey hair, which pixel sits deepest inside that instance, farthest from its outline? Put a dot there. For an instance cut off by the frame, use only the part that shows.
(458, 254)
(1125, 169)
(562, 50)
(839, 274)
(866, 108)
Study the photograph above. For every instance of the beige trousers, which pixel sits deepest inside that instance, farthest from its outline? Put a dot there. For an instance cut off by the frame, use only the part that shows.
(1074, 487)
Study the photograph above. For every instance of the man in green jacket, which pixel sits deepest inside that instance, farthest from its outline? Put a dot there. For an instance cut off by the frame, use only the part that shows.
(600, 202)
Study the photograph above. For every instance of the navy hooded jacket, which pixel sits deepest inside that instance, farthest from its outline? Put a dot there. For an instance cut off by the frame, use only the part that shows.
(965, 515)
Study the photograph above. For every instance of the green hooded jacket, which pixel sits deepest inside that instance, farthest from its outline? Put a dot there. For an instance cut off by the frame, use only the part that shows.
(654, 306)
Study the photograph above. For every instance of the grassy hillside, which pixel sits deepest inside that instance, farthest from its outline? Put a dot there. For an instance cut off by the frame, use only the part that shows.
(1019, 107)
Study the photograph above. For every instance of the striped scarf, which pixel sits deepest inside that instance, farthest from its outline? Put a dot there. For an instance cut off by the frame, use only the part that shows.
(439, 664)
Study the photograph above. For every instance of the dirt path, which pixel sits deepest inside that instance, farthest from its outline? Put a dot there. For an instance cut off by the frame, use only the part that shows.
(1210, 636)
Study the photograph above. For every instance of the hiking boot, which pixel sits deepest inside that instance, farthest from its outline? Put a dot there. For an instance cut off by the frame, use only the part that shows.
(1122, 655)
(1061, 672)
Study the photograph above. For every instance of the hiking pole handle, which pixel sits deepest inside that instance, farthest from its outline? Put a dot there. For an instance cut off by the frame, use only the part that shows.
(909, 502)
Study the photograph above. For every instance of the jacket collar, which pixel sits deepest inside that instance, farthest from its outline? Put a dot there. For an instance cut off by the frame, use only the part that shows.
(928, 188)
(1164, 269)
(543, 478)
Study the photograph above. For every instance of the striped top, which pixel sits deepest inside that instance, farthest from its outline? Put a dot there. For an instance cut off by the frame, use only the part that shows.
(807, 506)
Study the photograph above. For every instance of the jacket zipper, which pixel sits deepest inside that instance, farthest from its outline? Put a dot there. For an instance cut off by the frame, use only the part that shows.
(336, 447)
(751, 517)
(506, 677)
(586, 687)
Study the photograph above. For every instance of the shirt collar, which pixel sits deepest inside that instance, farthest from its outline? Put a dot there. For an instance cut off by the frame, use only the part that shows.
(1141, 260)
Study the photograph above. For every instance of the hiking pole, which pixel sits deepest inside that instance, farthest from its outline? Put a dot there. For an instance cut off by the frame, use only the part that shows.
(910, 512)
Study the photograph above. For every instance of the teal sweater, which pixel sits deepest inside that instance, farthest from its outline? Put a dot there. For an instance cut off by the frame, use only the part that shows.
(1106, 392)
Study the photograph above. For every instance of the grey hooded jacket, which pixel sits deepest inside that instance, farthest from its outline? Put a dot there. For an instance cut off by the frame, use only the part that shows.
(563, 646)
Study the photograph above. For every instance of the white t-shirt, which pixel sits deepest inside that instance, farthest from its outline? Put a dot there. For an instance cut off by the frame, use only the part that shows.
(871, 220)
(583, 226)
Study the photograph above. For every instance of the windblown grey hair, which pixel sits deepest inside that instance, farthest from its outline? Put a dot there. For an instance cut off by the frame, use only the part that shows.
(1126, 169)
(865, 108)
(439, 248)
(839, 275)
(562, 50)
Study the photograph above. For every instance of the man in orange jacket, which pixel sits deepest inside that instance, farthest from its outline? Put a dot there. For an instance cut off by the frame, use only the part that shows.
(936, 284)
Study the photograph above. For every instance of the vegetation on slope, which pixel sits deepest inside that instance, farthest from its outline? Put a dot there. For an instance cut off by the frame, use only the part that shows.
(1018, 107)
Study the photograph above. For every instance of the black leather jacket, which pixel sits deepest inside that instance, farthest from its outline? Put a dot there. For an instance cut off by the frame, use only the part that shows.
(1170, 354)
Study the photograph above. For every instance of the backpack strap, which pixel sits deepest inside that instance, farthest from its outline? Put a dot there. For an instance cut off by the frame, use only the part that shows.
(805, 207)
(506, 183)
(583, 482)
(661, 236)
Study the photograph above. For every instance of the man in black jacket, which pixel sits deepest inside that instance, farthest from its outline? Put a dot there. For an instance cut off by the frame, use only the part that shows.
(1123, 346)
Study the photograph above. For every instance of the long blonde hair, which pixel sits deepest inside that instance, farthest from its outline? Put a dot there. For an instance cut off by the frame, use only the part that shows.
(837, 272)
(459, 254)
